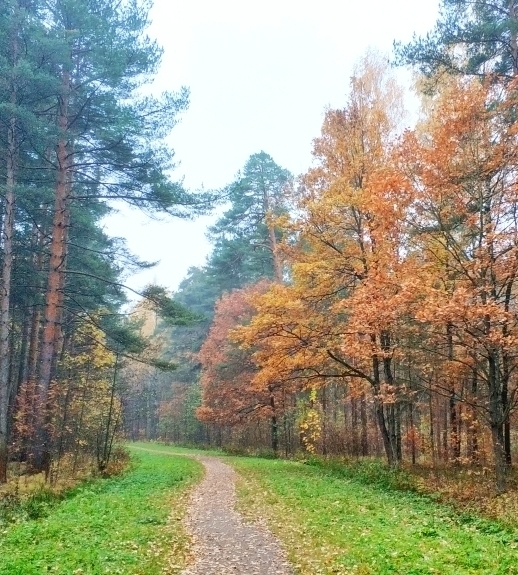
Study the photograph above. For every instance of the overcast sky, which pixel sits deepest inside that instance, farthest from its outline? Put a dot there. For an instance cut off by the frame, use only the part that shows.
(261, 75)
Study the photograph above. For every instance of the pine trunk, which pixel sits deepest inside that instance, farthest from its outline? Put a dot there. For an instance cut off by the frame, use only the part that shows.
(5, 297)
(277, 268)
(272, 240)
(513, 39)
(5, 294)
(51, 330)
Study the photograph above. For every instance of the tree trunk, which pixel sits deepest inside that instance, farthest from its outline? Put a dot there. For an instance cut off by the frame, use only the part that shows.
(444, 434)
(380, 414)
(394, 425)
(58, 245)
(506, 410)
(32, 368)
(5, 296)
(496, 423)
(412, 431)
(23, 364)
(274, 425)
(79, 423)
(513, 40)
(364, 441)
(454, 443)
(454, 429)
(432, 434)
(277, 268)
(104, 450)
(473, 451)
(324, 421)
(354, 425)
(272, 240)
(499, 457)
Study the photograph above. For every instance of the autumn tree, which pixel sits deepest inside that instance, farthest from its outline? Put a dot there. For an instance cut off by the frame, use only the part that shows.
(331, 322)
(245, 250)
(228, 394)
(85, 408)
(463, 168)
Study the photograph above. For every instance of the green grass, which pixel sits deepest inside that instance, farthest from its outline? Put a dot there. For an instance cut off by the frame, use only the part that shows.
(332, 524)
(123, 525)
(162, 448)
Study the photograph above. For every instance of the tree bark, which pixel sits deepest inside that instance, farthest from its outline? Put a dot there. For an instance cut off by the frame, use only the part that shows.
(506, 409)
(104, 450)
(432, 434)
(496, 417)
(454, 443)
(277, 268)
(354, 425)
(473, 427)
(394, 425)
(274, 424)
(58, 245)
(272, 240)
(363, 418)
(5, 293)
(513, 39)
(380, 413)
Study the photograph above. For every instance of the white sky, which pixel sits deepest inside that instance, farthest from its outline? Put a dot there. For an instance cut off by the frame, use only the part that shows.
(261, 75)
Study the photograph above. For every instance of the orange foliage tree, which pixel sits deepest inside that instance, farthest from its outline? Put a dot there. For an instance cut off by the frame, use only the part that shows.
(339, 316)
(402, 253)
(463, 164)
(228, 394)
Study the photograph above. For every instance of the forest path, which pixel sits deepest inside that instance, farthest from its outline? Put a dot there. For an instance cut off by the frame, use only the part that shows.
(223, 542)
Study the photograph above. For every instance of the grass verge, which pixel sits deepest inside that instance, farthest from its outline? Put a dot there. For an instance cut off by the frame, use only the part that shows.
(164, 448)
(127, 525)
(339, 525)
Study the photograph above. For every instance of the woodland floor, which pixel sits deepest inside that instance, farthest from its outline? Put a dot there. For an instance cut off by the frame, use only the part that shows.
(125, 525)
(332, 524)
(162, 518)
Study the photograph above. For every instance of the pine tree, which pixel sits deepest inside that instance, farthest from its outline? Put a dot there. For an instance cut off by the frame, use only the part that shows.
(245, 243)
(476, 38)
(20, 81)
(75, 131)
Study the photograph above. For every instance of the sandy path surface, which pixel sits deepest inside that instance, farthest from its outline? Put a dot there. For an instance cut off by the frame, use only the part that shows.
(224, 544)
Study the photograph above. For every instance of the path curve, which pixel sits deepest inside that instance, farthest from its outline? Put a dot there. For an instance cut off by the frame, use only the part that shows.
(223, 543)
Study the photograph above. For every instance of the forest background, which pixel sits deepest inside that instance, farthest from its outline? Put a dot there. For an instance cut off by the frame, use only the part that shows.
(366, 308)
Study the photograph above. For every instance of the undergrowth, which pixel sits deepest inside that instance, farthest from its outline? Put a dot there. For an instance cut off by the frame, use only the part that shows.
(470, 490)
(15, 508)
(262, 452)
(27, 497)
(367, 471)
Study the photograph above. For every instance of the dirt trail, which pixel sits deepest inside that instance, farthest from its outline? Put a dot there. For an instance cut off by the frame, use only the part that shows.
(224, 544)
